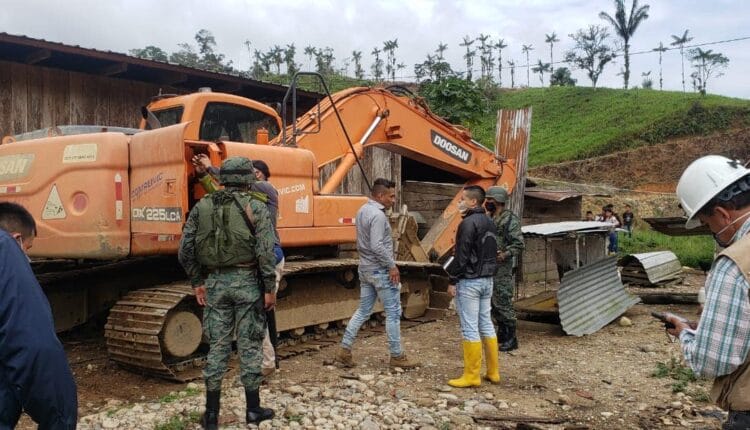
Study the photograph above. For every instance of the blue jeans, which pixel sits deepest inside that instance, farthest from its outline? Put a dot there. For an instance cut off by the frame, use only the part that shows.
(376, 284)
(474, 304)
(613, 241)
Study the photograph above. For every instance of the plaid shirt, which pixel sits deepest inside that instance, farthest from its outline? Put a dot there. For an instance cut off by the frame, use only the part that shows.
(722, 341)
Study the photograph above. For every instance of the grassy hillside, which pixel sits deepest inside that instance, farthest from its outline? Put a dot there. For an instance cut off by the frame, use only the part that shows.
(575, 123)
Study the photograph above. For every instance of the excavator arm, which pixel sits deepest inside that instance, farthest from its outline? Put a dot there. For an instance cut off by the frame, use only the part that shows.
(362, 117)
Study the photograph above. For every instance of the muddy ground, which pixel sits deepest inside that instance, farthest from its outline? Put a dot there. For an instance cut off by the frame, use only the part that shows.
(597, 381)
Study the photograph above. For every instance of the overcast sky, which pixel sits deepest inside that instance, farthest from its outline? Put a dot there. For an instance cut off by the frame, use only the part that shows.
(419, 25)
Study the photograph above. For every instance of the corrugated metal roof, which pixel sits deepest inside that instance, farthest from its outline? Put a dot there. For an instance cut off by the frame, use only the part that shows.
(675, 226)
(650, 268)
(552, 195)
(591, 297)
(563, 228)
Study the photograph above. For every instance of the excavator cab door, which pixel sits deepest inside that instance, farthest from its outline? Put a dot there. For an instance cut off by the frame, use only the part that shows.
(158, 189)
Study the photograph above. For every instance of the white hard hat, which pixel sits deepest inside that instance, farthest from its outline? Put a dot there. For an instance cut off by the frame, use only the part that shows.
(704, 179)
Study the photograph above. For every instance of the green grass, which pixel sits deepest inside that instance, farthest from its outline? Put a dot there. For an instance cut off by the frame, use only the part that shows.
(179, 422)
(570, 123)
(171, 397)
(681, 375)
(690, 250)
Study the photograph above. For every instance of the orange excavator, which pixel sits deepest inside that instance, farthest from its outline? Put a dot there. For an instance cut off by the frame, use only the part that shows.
(110, 207)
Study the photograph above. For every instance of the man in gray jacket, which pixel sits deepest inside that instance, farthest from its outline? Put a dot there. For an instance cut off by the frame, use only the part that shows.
(378, 275)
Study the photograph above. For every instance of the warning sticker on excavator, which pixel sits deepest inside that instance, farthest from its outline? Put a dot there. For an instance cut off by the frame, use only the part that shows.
(15, 166)
(54, 209)
(80, 153)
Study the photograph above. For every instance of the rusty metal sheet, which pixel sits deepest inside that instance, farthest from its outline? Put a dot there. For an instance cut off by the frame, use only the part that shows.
(512, 137)
(675, 226)
(591, 297)
(563, 228)
(650, 268)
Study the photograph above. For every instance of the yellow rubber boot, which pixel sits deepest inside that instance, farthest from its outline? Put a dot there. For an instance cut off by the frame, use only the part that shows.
(490, 355)
(472, 366)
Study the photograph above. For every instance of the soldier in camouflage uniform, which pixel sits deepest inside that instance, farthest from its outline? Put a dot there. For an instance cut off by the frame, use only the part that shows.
(235, 249)
(509, 247)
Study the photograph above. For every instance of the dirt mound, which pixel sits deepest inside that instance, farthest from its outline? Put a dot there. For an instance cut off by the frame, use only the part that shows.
(650, 168)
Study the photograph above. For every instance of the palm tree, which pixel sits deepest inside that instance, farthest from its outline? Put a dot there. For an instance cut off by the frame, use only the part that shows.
(359, 72)
(469, 55)
(377, 66)
(527, 49)
(441, 50)
(625, 27)
(681, 41)
(707, 64)
(661, 48)
(541, 68)
(551, 39)
(512, 65)
(310, 52)
(500, 45)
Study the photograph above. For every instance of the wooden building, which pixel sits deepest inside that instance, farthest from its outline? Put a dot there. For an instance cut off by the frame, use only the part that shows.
(46, 84)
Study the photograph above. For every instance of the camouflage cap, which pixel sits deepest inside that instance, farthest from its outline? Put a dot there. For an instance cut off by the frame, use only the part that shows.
(498, 194)
(237, 171)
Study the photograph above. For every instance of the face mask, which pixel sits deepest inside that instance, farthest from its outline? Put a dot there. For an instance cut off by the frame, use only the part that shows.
(729, 242)
(491, 207)
(462, 208)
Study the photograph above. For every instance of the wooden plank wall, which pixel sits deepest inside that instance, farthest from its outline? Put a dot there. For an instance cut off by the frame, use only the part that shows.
(33, 97)
(377, 163)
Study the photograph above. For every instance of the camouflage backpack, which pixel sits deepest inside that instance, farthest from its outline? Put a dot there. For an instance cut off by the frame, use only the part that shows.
(226, 234)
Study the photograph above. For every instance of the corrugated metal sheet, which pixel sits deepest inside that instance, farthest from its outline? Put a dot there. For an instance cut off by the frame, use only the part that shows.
(675, 226)
(563, 228)
(591, 297)
(551, 195)
(512, 137)
(650, 268)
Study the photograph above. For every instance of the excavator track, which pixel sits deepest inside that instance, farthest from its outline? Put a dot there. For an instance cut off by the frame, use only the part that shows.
(157, 331)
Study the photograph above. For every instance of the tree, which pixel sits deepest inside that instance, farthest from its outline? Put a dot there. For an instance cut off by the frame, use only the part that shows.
(485, 57)
(591, 53)
(186, 56)
(389, 47)
(625, 27)
(377, 66)
(324, 61)
(681, 41)
(500, 45)
(541, 68)
(277, 57)
(291, 66)
(707, 64)
(551, 39)
(526, 49)
(359, 72)
(469, 55)
(210, 59)
(647, 83)
(512, 65)
(454, 98)
(661, 49)
(150, 52)
(310, 52)
(562, 78)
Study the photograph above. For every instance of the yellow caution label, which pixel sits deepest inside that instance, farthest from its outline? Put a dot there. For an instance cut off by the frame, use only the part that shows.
(54, 209)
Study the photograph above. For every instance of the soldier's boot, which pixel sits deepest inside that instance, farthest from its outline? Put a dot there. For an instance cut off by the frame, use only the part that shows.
(343, 358)
(472, 366)
(510, 342)
(490, 356)
(403, 362)
(256, 414)
(210, 418)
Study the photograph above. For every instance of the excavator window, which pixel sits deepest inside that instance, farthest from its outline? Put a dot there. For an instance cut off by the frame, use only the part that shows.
(169, 116)
(226, 121)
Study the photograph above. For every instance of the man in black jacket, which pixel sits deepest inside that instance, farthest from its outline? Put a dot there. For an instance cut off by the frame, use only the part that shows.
(474, 264)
